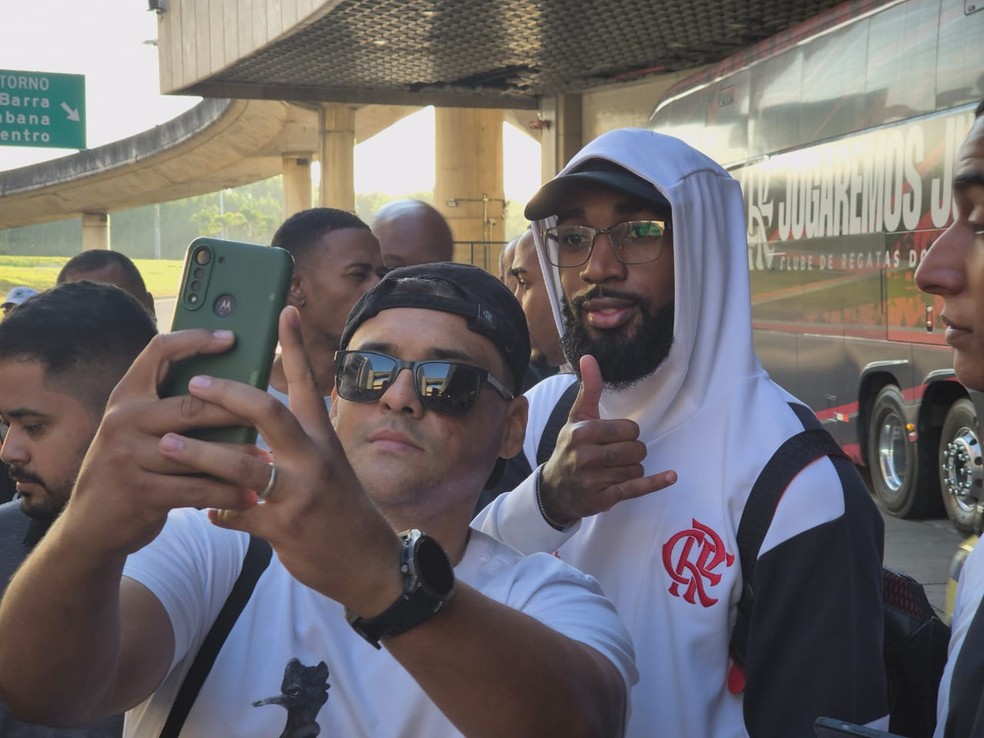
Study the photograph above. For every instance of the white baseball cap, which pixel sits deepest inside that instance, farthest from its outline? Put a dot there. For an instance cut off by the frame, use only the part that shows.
(17, 295)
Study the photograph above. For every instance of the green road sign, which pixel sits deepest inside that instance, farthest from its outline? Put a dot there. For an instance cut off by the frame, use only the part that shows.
(42, 110)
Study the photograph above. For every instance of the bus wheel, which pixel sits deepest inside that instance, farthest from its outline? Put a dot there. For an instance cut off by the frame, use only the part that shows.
(892, 457)
(961, 465)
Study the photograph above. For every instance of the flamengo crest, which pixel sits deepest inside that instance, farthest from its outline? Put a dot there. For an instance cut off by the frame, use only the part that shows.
(691, 558)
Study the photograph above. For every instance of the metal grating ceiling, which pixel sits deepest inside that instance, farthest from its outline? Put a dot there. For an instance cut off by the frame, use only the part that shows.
(505, 52)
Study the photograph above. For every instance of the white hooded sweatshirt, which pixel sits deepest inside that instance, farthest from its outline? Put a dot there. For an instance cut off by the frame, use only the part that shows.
(669, 560)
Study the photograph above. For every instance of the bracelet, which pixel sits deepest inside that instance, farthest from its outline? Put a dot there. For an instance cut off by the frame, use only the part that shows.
(539, 503)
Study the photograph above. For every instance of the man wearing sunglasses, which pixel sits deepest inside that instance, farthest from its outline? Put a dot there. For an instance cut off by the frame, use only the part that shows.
(476, 639)
(645, 257)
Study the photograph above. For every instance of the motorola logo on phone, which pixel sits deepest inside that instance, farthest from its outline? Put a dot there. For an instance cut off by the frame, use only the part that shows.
(224, 306)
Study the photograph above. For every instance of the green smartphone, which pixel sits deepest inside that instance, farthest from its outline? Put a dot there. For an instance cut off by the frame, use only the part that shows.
(235, 286)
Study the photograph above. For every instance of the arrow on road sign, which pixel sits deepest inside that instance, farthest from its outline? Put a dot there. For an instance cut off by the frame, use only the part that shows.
(73, 114)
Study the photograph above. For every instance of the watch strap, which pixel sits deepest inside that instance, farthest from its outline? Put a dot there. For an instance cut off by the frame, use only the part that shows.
(417, 604)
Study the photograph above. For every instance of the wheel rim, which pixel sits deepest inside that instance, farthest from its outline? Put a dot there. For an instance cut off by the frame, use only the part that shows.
(892, 450)
(963, 472)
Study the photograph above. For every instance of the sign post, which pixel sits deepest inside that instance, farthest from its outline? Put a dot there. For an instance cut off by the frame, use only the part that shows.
(41, 109)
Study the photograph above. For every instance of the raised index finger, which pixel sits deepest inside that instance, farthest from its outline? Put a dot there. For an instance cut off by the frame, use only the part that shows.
(306, 402)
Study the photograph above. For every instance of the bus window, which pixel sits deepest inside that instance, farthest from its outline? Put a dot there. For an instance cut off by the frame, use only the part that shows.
(727, 120)
(901, 81)
(959, 72)
(775, 103)
(685, 118)
(833, 86)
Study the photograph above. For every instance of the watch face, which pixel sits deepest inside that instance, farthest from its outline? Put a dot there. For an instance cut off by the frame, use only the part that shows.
(428, 583)
(433, 567)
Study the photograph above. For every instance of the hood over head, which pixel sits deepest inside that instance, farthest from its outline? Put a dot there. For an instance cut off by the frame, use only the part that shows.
(712, 334)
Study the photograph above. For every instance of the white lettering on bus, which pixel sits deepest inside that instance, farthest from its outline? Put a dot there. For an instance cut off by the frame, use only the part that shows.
(868, 184)
(912, 195)
(941, 192)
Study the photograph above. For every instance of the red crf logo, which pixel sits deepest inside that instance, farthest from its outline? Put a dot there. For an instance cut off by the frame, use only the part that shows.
(691, 558)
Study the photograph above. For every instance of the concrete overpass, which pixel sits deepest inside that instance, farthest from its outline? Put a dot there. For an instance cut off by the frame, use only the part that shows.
(352, 67)
(218, 143)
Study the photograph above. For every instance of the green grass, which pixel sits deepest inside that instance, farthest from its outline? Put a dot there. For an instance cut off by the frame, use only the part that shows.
(162, 276)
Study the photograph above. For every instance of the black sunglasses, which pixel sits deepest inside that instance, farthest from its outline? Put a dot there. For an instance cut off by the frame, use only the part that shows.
(446, 387)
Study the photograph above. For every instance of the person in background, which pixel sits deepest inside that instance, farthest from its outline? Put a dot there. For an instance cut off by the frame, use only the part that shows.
(336, 259)
(544, 362)
(8, 488)
(475, 639)
(547, 354)
(506, 257)
(648, 255)
(953, 270)
(15, 297)
(108, 267)
(412, 232)
(61, 354)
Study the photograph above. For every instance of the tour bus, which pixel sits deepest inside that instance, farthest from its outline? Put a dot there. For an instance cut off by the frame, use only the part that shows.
(843, 133)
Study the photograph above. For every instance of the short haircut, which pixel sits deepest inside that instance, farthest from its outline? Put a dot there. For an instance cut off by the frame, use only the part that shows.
(85, 335)
(301, 231)
(425, 219)
(94, 259)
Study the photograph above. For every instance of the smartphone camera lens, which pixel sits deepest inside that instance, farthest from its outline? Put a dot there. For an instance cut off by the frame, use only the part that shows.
(203, 257)
(198, 272)
(196, 285)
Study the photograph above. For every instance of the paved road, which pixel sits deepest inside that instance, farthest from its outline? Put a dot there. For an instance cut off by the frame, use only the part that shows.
(923, 549)
(164, 306)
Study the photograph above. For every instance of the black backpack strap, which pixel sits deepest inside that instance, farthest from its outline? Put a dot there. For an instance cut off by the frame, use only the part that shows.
(254, 563)
(790, 459)
(556, 421)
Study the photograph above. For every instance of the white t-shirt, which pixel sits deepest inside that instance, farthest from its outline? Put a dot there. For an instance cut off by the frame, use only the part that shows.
(292, 649)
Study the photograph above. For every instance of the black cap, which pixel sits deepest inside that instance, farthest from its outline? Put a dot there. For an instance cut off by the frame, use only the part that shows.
(486, 303)
(552, 197)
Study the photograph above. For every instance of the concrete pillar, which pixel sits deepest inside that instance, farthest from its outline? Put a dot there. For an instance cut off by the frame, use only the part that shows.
(468, 185)
(297, 183)
(337, 134)
(95, 231)
(561, 136)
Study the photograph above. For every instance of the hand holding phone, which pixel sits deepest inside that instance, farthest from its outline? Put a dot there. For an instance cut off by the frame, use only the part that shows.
(233, 286)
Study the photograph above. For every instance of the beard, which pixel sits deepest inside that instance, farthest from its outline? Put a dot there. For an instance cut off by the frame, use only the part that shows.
(44, 506)
(625, 355)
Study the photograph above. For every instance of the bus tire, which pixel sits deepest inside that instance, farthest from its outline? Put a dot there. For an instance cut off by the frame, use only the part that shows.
(961, 465)
(893, 459)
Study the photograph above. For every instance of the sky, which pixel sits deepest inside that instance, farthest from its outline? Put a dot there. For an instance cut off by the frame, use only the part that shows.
(122, 87)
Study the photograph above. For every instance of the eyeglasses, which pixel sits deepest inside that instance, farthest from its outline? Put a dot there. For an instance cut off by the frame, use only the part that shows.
(634, 242)
(446, 387)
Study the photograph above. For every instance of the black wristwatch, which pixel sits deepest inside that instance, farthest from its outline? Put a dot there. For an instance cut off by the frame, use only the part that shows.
(428, 583)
